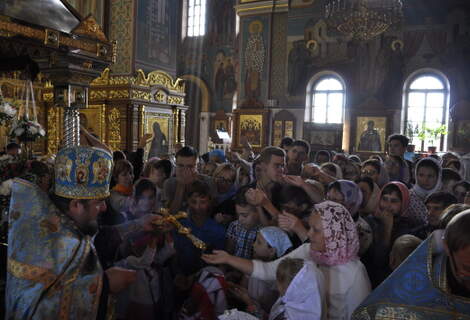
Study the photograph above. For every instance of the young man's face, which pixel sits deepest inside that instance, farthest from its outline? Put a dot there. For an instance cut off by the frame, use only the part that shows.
(396, 149)
(247, 216)
(296, 155)
(186, 164)
(435, 210)
(199, 204)
(274, 170)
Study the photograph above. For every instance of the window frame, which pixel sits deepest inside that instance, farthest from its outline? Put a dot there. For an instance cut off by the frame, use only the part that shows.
(186, 17)
(311, 92)
(406, 98)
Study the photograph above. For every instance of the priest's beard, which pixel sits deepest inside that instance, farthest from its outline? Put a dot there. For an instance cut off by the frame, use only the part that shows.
(87, 222)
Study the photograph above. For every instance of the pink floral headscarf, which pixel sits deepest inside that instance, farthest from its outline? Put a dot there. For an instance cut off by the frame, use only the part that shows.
(340, 233)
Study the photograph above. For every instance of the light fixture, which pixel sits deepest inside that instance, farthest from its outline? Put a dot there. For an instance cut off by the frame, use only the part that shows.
(363, 19)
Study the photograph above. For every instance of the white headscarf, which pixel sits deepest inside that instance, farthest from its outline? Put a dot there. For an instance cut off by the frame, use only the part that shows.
(420, 191)
(302, 300)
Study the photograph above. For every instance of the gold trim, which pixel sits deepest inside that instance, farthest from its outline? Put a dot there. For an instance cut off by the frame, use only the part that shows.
(272, 6)
(29, 272)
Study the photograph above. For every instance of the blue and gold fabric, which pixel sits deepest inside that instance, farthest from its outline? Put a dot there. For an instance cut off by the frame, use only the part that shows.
(416, 290)
(83, 173)
(53, 271)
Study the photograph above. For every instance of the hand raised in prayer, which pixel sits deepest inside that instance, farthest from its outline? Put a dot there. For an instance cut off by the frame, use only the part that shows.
(256, 197)
(386, 217)
(120, 278)
(289, 222)
(146, 138)
(217, 257)
(296, 181)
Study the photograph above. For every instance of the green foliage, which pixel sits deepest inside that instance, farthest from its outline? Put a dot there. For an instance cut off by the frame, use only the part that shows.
(432, 134)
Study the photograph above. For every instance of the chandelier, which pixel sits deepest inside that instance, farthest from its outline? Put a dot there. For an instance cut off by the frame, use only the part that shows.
(363, 19)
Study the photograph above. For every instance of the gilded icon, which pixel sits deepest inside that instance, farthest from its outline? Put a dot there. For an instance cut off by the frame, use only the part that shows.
(251, 128)
(370, 134)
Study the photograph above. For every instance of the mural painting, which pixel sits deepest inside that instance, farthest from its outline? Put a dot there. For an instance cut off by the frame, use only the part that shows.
(254, 60)
(224, 77)
(155, 27)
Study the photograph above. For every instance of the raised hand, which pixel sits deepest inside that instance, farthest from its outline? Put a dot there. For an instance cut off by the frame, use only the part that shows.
(217, 257)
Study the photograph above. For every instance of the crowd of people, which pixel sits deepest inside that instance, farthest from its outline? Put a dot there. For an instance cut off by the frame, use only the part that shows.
(288, 234)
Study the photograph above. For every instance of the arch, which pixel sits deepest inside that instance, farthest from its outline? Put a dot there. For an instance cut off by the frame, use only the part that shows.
(205, 104)
(426, 94)
(318, 77)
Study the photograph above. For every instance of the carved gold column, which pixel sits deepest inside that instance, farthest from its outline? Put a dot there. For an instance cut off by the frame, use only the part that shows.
(114, 131)
(176, 126)
(182, 129)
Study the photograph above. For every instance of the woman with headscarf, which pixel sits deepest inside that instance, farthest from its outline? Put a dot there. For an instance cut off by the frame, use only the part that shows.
(334, 247)
(322, 156)
(376, 170)
(370, 195)
(348, 194)
(428, 174)
(388, 223)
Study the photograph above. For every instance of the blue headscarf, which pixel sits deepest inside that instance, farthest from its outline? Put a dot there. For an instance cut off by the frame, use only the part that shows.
(277, 239)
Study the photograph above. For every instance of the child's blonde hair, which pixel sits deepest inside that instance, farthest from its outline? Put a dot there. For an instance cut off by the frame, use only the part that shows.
(402, 248)
(288, 269)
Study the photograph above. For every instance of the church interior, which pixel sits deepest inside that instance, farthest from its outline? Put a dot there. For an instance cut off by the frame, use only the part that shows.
(358, 98)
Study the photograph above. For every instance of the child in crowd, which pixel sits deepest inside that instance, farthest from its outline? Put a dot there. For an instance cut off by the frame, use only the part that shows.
(202, 226)
(402, 248)
(436, 203)
(158, 171)
(241, 234)
(145, 252)
(120, 196)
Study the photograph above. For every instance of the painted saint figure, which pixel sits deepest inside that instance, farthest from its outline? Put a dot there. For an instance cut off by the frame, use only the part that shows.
(370, 139)
(159, 144)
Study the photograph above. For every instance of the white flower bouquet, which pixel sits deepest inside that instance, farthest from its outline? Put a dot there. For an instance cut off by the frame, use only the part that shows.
(7, 111)
(26, 130)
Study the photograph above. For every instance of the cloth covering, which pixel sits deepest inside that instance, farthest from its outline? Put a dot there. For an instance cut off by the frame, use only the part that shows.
(277, 239)
(340, 235)
(53, 271)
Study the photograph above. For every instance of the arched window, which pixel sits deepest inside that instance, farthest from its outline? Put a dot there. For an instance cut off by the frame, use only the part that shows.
(325, 100)
(426, 107)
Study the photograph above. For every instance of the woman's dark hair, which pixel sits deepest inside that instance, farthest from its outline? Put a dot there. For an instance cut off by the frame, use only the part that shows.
(118, 155)
(334, 185)
(120, 167)
(141, 186)
(283, 194)
(464, 184)
(446, 198)
(374, 163)
(331, 167)
(455, 163)
(367, 180)
(240, 198)
(286, 142)
(450, 174)
(391, 188)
